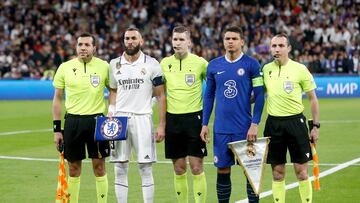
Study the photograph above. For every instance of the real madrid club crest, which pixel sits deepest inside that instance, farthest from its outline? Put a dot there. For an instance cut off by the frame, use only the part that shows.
(143, 71)
(111, 127)
(250, 150)
(288, 86)
(95, 80)
(118, 65)
(190, 79)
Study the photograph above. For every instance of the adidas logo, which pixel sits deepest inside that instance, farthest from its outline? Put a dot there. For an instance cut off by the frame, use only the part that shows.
(147, 157)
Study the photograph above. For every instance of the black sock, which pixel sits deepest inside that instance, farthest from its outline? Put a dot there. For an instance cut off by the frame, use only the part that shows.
(253, 198)
(223, 187)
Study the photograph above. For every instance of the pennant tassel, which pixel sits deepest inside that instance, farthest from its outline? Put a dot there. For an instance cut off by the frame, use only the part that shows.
(62, 195)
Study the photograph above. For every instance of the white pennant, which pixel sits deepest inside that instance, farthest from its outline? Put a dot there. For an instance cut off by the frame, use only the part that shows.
(252, 158)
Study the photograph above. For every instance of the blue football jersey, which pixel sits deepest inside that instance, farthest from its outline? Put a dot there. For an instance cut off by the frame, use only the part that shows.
(230, 84)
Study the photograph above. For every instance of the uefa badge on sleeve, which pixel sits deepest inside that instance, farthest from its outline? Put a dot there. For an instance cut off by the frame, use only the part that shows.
(108, 129)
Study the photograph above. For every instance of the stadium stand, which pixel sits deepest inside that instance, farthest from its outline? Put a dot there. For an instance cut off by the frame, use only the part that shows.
(36, 36)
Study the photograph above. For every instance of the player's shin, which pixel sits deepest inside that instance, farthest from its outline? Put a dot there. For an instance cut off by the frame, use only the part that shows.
(102, 188)
(223, 187)
(74, 188)
(148, 187)
(200, 188)
(278, 189)
(181, 187)
(121, 182)
(305, 190)
(253, 198)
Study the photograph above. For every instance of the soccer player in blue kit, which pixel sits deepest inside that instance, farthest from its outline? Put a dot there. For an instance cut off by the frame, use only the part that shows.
(231, 79)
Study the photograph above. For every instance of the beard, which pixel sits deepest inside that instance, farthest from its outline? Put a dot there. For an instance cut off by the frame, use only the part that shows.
(133, 51)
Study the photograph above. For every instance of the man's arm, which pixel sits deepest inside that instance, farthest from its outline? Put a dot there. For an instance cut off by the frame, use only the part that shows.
(314, 105)
(112, 102)
(258, 108)
(56, 109)
(160, 94)
(208, 105)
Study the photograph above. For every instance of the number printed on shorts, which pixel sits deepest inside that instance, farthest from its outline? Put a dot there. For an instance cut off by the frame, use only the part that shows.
(231, 90)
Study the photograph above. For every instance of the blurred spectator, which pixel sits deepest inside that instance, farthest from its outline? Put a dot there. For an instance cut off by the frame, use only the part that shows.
(356, 62)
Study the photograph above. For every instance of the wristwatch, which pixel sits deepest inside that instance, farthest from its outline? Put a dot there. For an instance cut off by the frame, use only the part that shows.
(317, 125)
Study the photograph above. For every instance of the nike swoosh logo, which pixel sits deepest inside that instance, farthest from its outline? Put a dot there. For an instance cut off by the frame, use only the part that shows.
(221, 72)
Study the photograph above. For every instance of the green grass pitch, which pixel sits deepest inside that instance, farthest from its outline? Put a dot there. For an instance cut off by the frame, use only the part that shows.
(36, 180)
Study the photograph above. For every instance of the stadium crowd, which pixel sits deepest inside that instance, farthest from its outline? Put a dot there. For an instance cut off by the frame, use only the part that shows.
(37, 36)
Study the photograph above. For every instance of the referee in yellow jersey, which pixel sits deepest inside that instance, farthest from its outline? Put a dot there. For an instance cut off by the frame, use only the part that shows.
(83, 79)
(285, 81)
(184, 74)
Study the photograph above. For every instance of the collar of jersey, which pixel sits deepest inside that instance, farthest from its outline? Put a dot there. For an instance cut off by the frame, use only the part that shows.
(92, 59)
(124, 61)
(236, 60)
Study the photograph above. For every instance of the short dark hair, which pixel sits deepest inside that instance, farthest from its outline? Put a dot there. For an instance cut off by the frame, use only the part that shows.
(235, 29)
(285, 36)
(86, 34)
(181, 29)
(133, 29)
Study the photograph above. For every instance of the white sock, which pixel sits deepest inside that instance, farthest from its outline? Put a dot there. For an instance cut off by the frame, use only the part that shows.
(147, 182)
(121, 182)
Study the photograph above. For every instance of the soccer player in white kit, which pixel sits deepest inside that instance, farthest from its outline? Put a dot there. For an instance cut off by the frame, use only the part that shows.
(134, 78)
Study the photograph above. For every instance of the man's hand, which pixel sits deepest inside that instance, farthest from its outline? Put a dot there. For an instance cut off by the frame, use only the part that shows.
(252, 133)
(204, 134)
(58, 138)
(314, 134)
(110, 114)
(160, 133)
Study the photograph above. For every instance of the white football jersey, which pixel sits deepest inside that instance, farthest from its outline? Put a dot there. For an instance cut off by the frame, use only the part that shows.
(134, 83)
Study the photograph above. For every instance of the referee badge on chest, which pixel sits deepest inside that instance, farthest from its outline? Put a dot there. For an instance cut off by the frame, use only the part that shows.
(95, 80)
(190, 79)
(288, 86)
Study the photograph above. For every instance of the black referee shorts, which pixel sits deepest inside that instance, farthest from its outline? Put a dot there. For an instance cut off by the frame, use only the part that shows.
(79, 132)
(291, 133)
(183, 136)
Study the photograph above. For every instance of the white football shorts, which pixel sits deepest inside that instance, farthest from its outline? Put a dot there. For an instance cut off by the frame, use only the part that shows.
(140, 138)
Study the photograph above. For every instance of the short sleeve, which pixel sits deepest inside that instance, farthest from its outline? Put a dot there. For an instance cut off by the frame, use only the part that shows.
(107, 79)
(204, 68)
(156, 69)
(112, 80)
(59, 79)
(307, 82)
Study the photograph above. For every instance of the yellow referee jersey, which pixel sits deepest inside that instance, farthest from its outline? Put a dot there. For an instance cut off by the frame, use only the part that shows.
(84, 85)
(285, 85)
(183, 80)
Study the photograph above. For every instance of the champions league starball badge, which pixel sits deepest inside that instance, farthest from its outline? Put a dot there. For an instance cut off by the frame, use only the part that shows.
(111, 127)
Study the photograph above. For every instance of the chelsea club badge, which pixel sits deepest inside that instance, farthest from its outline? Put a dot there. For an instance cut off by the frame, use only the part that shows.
(113, 128)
